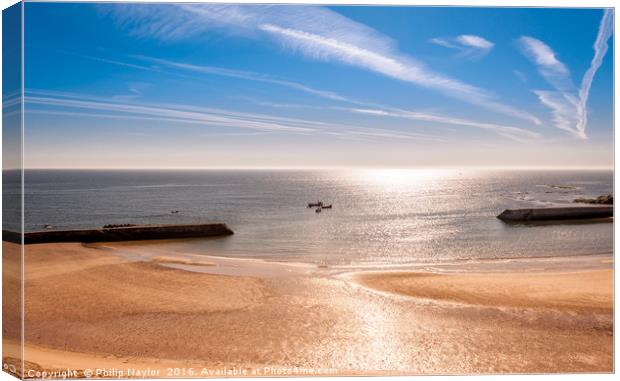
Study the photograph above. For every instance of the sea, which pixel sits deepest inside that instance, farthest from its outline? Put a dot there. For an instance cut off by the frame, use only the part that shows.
(378, 216)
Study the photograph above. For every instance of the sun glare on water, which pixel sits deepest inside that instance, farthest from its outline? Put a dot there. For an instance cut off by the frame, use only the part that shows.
(399, 178)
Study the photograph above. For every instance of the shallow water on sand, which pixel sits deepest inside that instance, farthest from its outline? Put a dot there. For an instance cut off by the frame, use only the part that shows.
(378, 216)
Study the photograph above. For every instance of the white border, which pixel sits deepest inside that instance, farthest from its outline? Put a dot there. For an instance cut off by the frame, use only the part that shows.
(479, 3)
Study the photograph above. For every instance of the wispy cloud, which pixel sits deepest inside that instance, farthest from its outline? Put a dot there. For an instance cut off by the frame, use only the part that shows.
(370, 134)
(506, 131)
(443, 42)
(279, 105)
(398, 67)
(135, 90)
(11, 100)
(552, 69)
(81, 105)
(468, 45)
(11, 104)
(315, 32)
(600, 49)
(162, 64)
(568, 103)
(165, 112)
(247, 75)
(475, 41)
(214, 70)
(509, 132)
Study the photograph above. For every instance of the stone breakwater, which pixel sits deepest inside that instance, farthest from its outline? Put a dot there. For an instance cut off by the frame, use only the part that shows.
(567, 213)
(126, 233)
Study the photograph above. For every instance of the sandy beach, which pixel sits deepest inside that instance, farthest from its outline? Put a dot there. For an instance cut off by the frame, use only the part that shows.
(585, 291)
(106, 307)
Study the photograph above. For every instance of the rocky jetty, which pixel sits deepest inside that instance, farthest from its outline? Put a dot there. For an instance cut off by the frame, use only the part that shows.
(123, 233)
(546, 214)
(606, 199)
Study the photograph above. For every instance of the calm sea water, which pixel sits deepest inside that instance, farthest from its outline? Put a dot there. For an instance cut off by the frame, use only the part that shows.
(378, 216)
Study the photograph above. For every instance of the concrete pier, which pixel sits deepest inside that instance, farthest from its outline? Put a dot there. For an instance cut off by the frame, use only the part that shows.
(126, 233)
(564, 213)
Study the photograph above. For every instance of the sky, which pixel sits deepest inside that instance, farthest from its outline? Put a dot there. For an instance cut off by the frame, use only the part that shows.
(256, 86)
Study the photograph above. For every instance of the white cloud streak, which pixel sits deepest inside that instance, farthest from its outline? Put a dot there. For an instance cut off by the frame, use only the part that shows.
(326, 48)
(443, 42)
(475, 42)
(11, 105)
(600, 49)
(214, 70)
(177, 113)
(469, 45)
(553, 70)
(72, 105)
(259, 77)
(315, 32)
(568, 104)
(400, 68)
(246, 75)
(510, 132)
(542, 54)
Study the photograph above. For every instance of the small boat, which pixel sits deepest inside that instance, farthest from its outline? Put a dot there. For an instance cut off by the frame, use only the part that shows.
(315, 204)
(319, 209)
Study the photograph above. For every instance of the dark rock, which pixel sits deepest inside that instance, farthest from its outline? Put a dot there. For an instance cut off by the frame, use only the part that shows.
(607, 199)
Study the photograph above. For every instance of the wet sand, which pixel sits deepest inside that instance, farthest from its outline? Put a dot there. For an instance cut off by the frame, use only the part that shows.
(579, 291)
(91, 307)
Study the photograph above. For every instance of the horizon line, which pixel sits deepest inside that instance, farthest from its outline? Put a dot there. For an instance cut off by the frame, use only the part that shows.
(306, 168)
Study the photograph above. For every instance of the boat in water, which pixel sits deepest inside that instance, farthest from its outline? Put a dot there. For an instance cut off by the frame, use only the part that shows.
(319, 206)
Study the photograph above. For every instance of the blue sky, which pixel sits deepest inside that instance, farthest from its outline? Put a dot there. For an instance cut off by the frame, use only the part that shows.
(217, 86)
